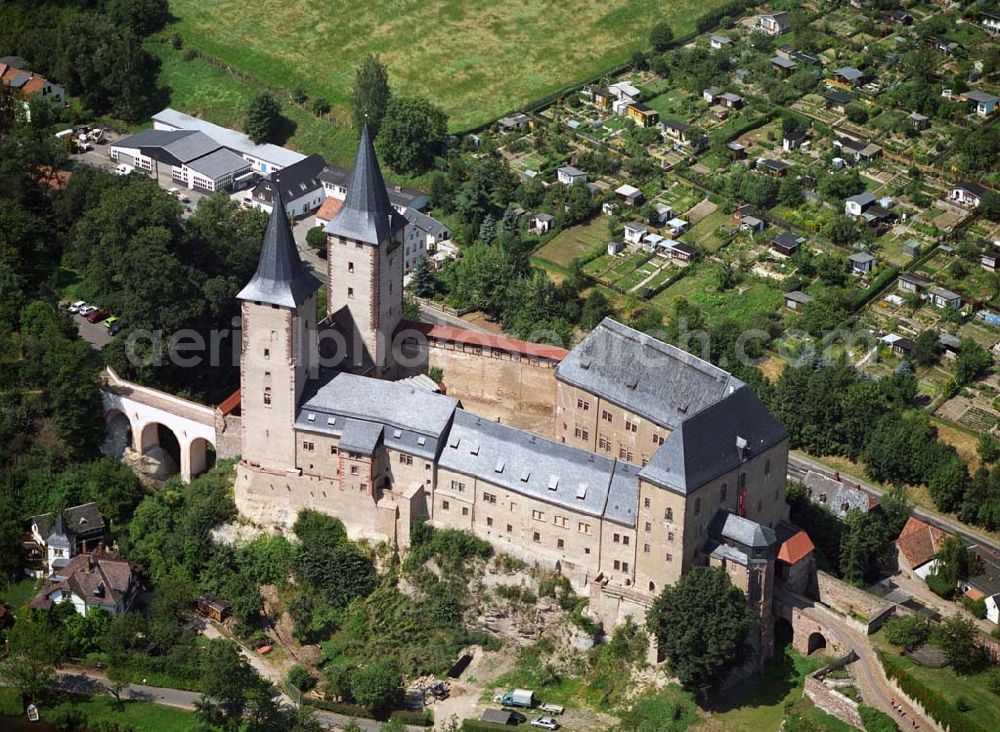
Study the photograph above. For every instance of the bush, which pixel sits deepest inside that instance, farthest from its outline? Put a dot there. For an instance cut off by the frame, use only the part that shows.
(941, 586)
(976, 607)
(963, 705)
(301, 679)
(907, 632)
(993, 681)
(936, 705)
(875, 720)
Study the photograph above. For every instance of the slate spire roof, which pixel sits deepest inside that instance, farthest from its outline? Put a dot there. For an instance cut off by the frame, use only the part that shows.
(367, 215)
(281, 278)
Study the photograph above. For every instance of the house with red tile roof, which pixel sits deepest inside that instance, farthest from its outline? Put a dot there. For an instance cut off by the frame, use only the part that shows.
(90, 581)
(917, 547)
(27, 85)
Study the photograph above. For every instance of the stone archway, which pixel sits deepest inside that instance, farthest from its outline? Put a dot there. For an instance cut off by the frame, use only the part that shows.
(197, 458)
(161, 450)
(816, 643)
(119, 436)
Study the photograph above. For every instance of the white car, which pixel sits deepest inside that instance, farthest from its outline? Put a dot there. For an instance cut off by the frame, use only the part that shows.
(173, 191)
(124, 169)
(545, 723)
(86, 310)
(77, 306)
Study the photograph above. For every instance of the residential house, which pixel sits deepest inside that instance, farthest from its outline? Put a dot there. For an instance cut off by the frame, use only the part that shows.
(514, 122)
(917, 547)
(847, 76)
(90, 581)
(26, 85)
(990, 259)
(301, 189)
(903, 347)
(897, 17)
(796, 300)
(635, 231)
(629, 195)
(717, 42)
(862, 263)
(993, 601)
(676, 129)
(857, 150)
(776, 168)
(742, 211)
(786, 244)
(968, 194)
(540, 223)
(423, 235)
(643, 115)
(950, 344)
(837, 495)
(919, 121)
(569, 175)
(859, 203)
(331, 207)
(912, 282)
(943, 298)
(62, 535)
(793, 140)
(838, 100)
(682, 252)
(985, 103)
(655, 242)
(944, 47)
(774, 24)
(620, 106)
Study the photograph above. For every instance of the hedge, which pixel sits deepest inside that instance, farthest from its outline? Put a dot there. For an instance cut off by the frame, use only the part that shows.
(875, 720)
(420, 719)
(943, 712)
(475, 725)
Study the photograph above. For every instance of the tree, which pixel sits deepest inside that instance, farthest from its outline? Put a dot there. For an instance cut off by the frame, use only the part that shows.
(370, 94)
(411, 132)
(300, 678)
(909, 632)
(701, 621)
(117, 683)
(316, 239)
(862, 545)
(142, 17)
(377, 686)
(958, 641)
(339, 573)
(972, 361)
(423, 282)
(661, 36)
(955, 559)
(989, 206)
(988, 448)
(33, 650)
(229, 683)
(263, 118)
(926, 350)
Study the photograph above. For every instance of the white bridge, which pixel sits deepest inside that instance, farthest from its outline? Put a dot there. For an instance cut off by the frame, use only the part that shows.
(192, 424)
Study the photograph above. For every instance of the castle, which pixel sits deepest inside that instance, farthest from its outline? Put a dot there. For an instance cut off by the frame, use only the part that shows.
(655, 461)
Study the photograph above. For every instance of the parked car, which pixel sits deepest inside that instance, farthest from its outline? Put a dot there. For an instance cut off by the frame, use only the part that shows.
(115, 329)
(110, 321)
(86, 310)
(77, 306)
(98, 315)
(544, 723)
(124, 169)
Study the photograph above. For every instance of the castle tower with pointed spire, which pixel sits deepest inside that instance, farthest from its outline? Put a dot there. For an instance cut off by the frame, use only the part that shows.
(279, 334)
(365, 266)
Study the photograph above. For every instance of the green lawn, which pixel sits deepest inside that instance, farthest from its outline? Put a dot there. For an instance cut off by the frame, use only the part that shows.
(985, 704)
(700, 287)
(16, 596)
(477, 60)
(575, 241)
(101, 712)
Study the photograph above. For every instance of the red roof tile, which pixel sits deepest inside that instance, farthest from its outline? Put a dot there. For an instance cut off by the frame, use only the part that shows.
(796, 548)
(919, 542)
(500, 343)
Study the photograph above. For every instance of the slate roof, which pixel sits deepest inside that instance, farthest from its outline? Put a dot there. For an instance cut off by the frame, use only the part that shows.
(945, 294)
(970, 187)
(549, 471)
(409, 418)
(647, 377)
(861, 258)
(916, 279)
(849, 72)
(98, 579)
(704, 446)
(367, 214)
(799, 297)
(82, 519)
(787, 239)
(981, 96)
(427, 224)
(297, 180)
(281, 278)
(742, 530)
(863, 199)
(838, 97)
(360, 436)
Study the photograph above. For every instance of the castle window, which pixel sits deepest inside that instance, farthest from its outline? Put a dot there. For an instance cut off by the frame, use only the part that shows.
(363, 487)
(354, 470)
(760, 506)
(267, 396)
(333, 450)
(445, 505)
(537, 515)
(560, 521)
(607, 416)
(743, 480)
(645, 502)
(489, 498)
(465, 510)
(652, 586)
(670, 536)
(767, 467)
(560, 544)
(624, 566)
(406, 459)
(583, 528)
(645, 548)
(631, 426)
(350, 292)
(583, 405)
(457, 486)
(670, 557)
(657, 439)
(625, 539)
(617, 539)
(649, 527)
(604, 443)
(267, 353)
(625, 454)
(668, 514)
(350, 266)
(617, 565)
(509, 528)
(586, 550)
(308, 446)
(536, 536)
(581, 433)
(489, 521)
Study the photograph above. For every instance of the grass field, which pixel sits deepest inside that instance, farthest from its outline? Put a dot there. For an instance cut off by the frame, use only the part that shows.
(575, 241)
(477, 60)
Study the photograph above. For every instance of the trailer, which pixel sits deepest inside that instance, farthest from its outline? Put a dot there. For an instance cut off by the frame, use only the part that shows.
(551, 708)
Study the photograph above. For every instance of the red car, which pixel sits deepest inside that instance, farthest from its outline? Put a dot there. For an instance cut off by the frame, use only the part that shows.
(98, 315)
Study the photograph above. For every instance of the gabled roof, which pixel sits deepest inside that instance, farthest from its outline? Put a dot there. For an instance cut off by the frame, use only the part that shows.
(81, 519)
(708, 445)
(849, 72)
(96, 578)
(367, 215)
(919, 542)
(969, 187)
(281, 278)
(796, 548)
(787, 239)
(742, 530)
(647, 377)
(297, 180)
(866, 198)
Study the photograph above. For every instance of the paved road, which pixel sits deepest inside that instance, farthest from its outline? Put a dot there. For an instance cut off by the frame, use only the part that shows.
(988, 549)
